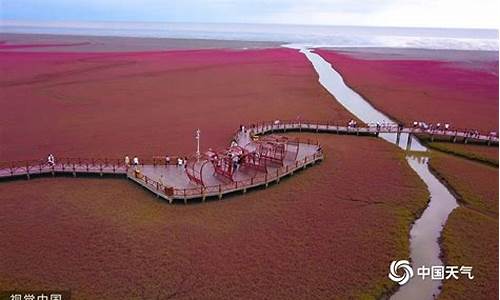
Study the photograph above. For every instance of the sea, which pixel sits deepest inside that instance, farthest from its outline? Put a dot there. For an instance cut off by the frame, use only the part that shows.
(334, 36)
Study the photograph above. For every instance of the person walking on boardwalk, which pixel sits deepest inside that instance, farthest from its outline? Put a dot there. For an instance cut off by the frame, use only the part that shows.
(51, 160)
(127, 161)
(135, 161)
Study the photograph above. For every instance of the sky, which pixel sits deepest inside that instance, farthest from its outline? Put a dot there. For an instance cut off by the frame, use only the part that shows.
(401, 13)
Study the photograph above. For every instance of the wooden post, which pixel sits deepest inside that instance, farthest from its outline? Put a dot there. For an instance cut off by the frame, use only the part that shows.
(408, 142)
(220, 191)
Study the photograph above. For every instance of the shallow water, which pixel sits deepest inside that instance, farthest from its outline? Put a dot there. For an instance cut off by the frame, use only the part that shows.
(424, 234)
(352, 101)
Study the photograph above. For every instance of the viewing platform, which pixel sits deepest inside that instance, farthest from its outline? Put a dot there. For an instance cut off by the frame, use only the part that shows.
(256, 157)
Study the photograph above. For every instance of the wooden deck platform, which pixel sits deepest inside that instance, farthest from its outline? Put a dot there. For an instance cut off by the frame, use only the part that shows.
(172, 183)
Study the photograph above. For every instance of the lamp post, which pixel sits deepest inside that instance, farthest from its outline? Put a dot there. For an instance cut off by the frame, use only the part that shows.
(198, 143)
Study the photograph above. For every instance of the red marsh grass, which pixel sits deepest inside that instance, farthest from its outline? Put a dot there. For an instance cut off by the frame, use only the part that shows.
(149, 103)
(470, 236)
(328, 232)
(429, 90)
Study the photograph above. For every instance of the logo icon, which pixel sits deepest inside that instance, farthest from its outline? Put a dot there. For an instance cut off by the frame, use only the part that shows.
(405, 266)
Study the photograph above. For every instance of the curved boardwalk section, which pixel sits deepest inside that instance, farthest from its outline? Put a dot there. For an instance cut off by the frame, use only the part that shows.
(256, 157)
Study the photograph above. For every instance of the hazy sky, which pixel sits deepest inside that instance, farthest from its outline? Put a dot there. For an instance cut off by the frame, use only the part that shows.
(419, 13)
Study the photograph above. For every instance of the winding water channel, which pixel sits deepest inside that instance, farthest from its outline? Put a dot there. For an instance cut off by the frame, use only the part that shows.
(424, 234)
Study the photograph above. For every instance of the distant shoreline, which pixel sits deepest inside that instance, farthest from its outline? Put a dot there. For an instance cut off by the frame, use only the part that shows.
(263, 34)
(89, 43)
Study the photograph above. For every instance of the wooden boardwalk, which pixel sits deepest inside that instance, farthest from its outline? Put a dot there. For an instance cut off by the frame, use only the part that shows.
(171, 182)
(454, 135)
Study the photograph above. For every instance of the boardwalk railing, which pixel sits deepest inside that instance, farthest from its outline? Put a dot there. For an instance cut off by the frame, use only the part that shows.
(243, 185)
(171, 193)
(371, 129)
(63, 165)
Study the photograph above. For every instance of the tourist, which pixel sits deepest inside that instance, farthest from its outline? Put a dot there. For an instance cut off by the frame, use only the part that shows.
(167, 160)
(415, 124)
(185, 161)
(235, 163)
(135, 161)
(51, 160)
(127, 160)
(179, 162)
(446, 126)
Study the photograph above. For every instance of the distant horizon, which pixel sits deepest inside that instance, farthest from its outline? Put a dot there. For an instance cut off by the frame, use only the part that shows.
(480, 14)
